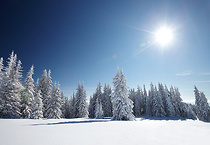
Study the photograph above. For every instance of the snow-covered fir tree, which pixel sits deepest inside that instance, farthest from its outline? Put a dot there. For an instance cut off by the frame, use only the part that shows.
(54, 103)
(122, 105)
(97, 95)
(66, 108)
(99, 113)
(148, 104)
(132, 96)
(137, 101)
(91, 108)
(81, 107)
(1, 70)
(37, 104)
(62, 104)
(11, 88)
(46, 88)
(25, 104)
(167, 102)
(157, 104)
(28, 94)
(1, 83)
(144, 100)
(201, 104)
(107, 106)
(152, 100)
(175, 101)
(187, 111)
(71, 106)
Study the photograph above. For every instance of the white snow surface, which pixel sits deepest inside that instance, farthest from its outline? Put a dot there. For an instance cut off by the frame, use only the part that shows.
(83, 131)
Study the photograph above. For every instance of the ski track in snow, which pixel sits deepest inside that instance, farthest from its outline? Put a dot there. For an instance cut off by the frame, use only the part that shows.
(83, 131)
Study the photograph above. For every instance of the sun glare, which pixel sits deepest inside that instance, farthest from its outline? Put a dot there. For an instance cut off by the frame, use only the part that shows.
(164, 36)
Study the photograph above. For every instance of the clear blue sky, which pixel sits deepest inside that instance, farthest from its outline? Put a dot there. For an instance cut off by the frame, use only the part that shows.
(87, 40)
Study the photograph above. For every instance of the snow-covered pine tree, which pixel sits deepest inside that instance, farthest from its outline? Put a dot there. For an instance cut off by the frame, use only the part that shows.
(77, 101)
(138, 101)
(197, 100)
(99, 113)
(187, 111)
(153, 101)
(122, 105)
(176, 100)
(148, 104)
(28, 95)
(45, 86)
(1, 70)
(54, 103)
(205, 107)
(81, 110)
(11, 88)
(62, 104)
(107, 107)
(132, 96)
(143, 111)
(66, 108)
(157, 107)
(1, 83)
(97, 95)
(201, 104)
(72, 102)
(25, 109)
(83, 106)
(37, 104)
(167, 102)
(91, 109)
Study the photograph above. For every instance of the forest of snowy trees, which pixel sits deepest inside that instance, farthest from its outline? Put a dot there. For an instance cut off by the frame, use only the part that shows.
(44, 99)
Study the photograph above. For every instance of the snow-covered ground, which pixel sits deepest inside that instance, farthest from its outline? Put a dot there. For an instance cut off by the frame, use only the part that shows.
(103, 132)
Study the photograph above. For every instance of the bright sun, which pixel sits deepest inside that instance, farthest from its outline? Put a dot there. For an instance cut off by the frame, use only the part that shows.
(164, 36)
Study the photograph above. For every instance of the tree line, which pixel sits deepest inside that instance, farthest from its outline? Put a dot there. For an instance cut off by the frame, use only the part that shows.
(44, 99)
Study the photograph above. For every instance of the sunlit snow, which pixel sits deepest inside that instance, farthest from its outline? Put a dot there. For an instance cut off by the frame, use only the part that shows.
(103, 132)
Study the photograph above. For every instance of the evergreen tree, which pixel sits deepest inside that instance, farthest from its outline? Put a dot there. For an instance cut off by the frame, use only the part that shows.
(28, 94)
(81, 110)
(66, 108)
(97, 95)
(176, 101)
(37, 104)
(132, 96)
(122, 105)
(138, 101)
(143, 111)
(62, 104)
(11, 88)
(91, 109)
(157, 106)
(25, 106)
(1, 83)
(98, 110)
(167, 102)
(45, 86)
(107, 107)
(72, 102)
(201, 104)
(187, 111)
(54, 103)
(148, 104)
(153, 101)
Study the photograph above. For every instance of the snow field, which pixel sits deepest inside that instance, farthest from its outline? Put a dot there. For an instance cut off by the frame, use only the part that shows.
(103, 132)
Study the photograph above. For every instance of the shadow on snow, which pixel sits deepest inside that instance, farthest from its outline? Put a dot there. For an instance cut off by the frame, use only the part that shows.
(72, 122)
(162, 118)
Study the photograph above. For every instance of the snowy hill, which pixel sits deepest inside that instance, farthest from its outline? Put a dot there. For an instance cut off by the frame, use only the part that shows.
(103, 132)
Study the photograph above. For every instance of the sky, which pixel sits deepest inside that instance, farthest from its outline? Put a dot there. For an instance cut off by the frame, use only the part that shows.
(87, 40)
